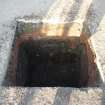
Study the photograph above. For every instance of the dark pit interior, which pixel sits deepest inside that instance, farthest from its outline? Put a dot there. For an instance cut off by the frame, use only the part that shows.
(50, 62)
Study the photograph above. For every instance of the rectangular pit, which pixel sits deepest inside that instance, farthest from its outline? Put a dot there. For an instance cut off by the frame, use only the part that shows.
(47, 61)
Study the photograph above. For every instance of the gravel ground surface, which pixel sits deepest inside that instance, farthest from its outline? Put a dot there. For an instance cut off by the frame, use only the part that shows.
(56, 11)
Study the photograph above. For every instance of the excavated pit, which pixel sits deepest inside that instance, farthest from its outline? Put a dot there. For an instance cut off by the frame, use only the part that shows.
(51, 61)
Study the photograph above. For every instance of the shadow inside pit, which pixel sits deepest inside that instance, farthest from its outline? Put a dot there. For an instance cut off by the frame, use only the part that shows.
(48, 63)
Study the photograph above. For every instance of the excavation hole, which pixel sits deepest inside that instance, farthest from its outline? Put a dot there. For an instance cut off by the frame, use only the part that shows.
(51, 62)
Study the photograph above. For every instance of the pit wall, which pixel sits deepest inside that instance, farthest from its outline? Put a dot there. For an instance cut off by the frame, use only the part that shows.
(95, 21)
(92, 66)
(41, 29)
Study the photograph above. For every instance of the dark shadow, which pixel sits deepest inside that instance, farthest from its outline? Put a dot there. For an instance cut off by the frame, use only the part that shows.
(62, 96)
